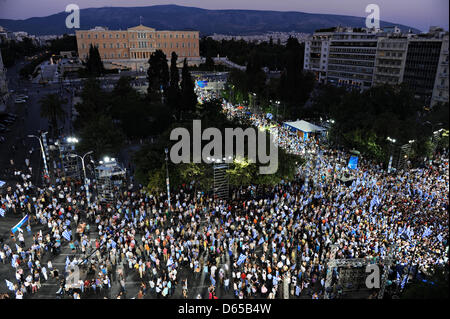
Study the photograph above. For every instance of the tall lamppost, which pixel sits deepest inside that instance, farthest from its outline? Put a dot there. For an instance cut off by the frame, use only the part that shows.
(167, 178)
(392, 140)
(278, 106)
(86, 184)
(43, 151)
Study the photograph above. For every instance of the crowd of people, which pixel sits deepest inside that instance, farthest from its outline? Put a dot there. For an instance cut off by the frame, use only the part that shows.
(263, 242)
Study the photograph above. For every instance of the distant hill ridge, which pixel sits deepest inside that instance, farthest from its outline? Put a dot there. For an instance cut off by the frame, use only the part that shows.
(174, 17)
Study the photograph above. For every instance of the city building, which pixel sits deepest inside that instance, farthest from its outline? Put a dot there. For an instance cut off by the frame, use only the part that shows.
(390, 59)
(132, 48)
(441, 82)
(316, 51)
(342, 55)
(361, 58)
(3, 85)
(276, 37)
(422, 59)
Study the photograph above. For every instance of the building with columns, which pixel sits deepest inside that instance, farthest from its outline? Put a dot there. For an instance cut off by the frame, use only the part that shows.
(132, 48)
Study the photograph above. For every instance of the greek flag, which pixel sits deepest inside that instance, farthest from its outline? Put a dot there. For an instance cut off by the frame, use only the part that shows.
(2, 212)
(23, 221)
(439, 237)
(10, 285)
(404, 282)
(261, 241)
(67, 234)
(13, 260)
(426, 232)
(241, 259)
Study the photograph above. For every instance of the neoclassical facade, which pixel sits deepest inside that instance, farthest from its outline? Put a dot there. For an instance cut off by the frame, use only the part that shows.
(132, 47)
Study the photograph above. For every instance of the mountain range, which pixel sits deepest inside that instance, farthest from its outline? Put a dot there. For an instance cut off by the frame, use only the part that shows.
(174, 17)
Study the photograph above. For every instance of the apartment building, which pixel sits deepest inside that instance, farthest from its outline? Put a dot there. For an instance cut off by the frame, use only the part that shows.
(441, 82)
(3, 85)
(133, 47)
(421, 65)
(343, 56)
(361, 58)
(316, 52)
(390, 59)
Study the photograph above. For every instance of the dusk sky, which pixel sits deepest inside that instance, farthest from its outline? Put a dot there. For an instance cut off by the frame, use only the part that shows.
(417, 13)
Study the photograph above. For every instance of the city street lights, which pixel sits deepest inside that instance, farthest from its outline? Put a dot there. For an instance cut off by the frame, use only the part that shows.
(392, 140)
(84, 172)
(43, 152)
(278, 106)
(167, 178)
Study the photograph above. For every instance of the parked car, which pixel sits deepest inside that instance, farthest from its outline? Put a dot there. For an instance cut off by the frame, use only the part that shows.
(22, 97)
(19, 101)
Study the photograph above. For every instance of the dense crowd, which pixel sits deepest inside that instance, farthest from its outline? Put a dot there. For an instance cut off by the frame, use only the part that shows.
(264, 242)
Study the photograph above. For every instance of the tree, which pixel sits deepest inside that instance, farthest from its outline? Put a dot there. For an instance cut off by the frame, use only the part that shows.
(157, 76)
(94, 64)
(101, 136)
(94, 101)
(51, 108)
(130, 109)
(174, 95)
(188, 96)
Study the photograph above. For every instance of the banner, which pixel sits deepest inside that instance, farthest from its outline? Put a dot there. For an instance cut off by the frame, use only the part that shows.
(23, 221)
(353, 162)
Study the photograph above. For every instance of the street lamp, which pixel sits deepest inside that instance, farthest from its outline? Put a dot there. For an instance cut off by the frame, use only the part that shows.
(43, 152)
(278, 106)
(167, 178)
(392, 140)
(84, 172)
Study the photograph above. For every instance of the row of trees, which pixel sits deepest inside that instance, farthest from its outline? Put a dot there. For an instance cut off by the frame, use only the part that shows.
(14, 50)
(292, 88)
(106, 119)
(151, 163)
(365, 120)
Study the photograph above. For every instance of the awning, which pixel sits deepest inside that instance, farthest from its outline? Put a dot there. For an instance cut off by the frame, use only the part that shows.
(304, 126)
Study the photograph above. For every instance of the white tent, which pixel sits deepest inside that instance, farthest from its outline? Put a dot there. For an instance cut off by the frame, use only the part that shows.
(305, 126)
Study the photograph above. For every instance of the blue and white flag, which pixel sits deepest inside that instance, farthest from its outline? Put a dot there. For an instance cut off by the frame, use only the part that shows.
(10, 285)
(439, 237)
(2, 212)
(13, 260)
(67, 234)
(23, 221)
(241, 259)
(213, 281)
(261, 241)
(427, 232)
(404, 282)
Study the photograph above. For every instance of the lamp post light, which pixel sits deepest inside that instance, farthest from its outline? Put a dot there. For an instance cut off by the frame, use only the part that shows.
(43, 152)
(86, 184)
(278, 106)
(167, 178)
(392, 140)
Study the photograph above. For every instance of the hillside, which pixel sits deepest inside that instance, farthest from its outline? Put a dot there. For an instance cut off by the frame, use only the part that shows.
(173, 17)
